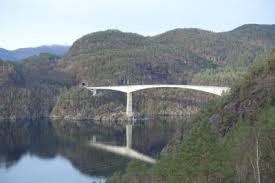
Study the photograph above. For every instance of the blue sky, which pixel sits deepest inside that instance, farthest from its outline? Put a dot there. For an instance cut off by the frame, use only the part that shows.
(27, 23)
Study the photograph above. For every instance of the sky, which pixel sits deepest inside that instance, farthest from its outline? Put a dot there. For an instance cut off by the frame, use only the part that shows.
(30, 23)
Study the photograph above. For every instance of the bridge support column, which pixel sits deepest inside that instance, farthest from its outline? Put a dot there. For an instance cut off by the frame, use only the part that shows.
(129, 107)
(129, 129)
(94, 92)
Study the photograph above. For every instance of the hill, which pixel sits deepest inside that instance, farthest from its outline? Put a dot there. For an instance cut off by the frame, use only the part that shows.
(179, 56)
(231, 139)
(234, 135)
(22, 53)
(114, 57)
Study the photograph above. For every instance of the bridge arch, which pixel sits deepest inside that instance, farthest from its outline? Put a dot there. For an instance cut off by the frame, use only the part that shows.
(129, 89)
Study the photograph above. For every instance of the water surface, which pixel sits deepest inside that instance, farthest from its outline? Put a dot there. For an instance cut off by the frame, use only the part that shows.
(46, 151)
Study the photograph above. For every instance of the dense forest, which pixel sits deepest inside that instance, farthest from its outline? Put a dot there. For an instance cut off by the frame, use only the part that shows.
(29, 89)
(114, 57)
(231, 139)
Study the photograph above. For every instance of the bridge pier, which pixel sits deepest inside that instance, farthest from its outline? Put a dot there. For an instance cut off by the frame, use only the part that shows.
(94, 92)
(129, 105)
(129, 129)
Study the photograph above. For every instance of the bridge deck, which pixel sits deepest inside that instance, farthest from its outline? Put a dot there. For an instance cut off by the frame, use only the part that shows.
(216, 90)
(132, 88)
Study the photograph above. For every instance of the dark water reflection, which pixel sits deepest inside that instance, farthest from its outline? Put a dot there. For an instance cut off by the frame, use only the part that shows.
(58, 151)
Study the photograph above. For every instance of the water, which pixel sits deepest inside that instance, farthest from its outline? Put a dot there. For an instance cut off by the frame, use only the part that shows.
(46, 151)
(34, 169)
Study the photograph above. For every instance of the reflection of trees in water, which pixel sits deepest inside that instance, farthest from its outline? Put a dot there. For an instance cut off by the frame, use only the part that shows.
(83, 131)
(47, 139)
(18, 138)
(150, 136)
(41, 139)
(10, 157)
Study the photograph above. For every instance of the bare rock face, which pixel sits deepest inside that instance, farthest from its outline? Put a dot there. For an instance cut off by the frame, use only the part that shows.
(217, 124)
(214, 122)
(247, 99)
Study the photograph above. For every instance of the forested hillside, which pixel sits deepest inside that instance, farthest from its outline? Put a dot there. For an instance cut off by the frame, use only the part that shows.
(232, 138)
(179, 56)
(112, 57)
(30, 89)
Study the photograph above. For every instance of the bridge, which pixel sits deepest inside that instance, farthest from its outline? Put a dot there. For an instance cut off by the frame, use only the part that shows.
(129, 89)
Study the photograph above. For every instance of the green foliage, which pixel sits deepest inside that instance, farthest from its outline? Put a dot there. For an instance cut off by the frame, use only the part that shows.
(116, 178)
(240, 146)
(114, 57)
(235, 154)
(224, 76)
(263, 65)
(79, 103)
(199, 158)
(136, 172)
(232, 139)
(30, 89)
(205, 157)
(136, 168)
(268, 117)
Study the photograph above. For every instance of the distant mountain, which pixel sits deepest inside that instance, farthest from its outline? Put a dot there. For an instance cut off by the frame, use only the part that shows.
(22, 53)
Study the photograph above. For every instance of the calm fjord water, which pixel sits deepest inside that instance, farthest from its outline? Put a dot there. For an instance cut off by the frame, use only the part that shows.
(45, 151)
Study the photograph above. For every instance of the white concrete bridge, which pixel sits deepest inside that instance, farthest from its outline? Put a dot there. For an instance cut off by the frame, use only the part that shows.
(129, 89)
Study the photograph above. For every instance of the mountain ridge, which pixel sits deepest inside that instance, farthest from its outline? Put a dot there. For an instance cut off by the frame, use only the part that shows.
(23, 53)
(183, 52)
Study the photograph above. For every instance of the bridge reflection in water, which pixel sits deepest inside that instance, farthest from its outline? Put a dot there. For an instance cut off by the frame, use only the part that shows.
(126, 151)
